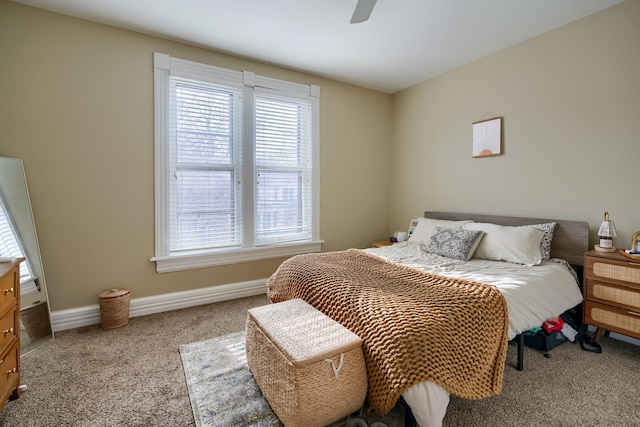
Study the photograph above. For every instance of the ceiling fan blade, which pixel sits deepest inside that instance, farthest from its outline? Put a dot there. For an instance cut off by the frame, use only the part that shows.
(362, 11)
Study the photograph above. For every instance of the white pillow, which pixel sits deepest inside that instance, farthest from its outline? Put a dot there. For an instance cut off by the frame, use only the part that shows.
(520, 245)
(426, 226)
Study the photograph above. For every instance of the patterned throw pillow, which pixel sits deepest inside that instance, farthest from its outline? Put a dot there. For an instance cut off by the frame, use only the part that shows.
(456, 244)
(545, 243)
(425, 227)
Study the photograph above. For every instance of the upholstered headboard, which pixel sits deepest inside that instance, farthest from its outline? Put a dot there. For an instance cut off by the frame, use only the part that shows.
(570, 238)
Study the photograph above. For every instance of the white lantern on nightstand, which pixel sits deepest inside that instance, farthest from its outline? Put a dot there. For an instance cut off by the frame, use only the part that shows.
(606, 232)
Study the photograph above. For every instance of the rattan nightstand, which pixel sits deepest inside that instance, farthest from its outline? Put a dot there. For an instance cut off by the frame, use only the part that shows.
(612, 293)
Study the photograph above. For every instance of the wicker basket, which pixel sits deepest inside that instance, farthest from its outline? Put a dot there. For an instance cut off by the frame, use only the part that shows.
(114, 308)
(36, 322)
(310, 368)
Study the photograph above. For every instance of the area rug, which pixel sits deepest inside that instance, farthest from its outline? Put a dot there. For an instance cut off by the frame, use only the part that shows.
(223, 392)
(221, 387)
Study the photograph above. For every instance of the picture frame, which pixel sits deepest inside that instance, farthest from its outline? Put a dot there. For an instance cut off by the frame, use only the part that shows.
(412, 226)
(487, 137)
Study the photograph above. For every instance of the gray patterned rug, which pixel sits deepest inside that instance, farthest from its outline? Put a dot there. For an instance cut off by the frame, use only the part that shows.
(224, 393)
(221, 387)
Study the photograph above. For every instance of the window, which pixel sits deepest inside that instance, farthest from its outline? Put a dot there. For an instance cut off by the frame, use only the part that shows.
(11, 246)
(236, 161)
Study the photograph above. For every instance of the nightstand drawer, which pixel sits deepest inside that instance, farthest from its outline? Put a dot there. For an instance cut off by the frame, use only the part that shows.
(607, 269)
(626, 322)
(612, 294)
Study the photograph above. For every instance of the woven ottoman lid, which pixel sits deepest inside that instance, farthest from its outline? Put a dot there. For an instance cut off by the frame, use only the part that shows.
(302, 333)
(113, 293)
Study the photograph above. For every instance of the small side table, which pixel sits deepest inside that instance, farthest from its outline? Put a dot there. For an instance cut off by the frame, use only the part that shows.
(382, 243)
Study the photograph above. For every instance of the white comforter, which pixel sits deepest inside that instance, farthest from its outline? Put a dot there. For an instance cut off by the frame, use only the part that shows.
(533, 295)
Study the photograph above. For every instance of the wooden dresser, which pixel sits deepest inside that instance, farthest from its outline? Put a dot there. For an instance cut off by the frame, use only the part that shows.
(612, 293)
(9, 331)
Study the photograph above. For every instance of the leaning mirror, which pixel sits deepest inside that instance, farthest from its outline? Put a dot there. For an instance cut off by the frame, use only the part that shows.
(18, 239)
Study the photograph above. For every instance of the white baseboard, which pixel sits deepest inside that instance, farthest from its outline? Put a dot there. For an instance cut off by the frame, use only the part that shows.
(90, 315)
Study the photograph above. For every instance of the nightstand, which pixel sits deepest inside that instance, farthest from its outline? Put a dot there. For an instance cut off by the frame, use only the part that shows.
(382, 243)
(611, 293)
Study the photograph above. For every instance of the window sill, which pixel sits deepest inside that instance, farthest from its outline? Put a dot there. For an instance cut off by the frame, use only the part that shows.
(166, 264)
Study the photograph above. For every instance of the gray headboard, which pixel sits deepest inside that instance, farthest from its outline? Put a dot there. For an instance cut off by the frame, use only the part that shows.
(570, 238)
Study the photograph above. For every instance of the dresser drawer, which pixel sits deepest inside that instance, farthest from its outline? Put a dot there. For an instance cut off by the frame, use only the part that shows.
(8, 329)
(615, 319)
(8, 289)
(9, 376)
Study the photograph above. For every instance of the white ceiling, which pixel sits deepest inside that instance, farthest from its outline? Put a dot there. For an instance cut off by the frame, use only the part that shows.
(404, 41)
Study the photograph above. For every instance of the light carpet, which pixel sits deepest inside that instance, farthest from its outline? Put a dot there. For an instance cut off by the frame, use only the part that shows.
(133, 377)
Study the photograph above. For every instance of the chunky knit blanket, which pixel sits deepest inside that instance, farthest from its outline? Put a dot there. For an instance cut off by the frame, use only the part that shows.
(415, 326)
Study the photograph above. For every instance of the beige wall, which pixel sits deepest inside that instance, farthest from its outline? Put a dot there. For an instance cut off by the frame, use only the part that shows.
(570, 99)
(76, 104)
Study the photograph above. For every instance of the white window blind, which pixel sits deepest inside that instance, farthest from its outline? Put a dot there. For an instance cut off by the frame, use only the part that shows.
(236, 161)
(10, 244)
(283, 169)
(205, 201)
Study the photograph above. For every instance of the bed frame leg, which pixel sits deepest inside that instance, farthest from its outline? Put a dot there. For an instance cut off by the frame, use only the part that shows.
(409, 419)
(520, 366)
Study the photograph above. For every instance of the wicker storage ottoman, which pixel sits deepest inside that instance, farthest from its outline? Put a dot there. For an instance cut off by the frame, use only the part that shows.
(309, 367)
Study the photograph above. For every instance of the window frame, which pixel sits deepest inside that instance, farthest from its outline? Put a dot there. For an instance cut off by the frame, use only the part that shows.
(165, 66)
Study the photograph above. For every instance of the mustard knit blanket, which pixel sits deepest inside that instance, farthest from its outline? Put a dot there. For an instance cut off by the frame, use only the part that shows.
(415, 326)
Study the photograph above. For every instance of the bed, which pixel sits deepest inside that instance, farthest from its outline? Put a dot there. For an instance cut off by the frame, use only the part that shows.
(450, 299)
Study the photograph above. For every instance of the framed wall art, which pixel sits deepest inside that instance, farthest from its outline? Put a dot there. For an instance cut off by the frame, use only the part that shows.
(487, 137)
(412, 226)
